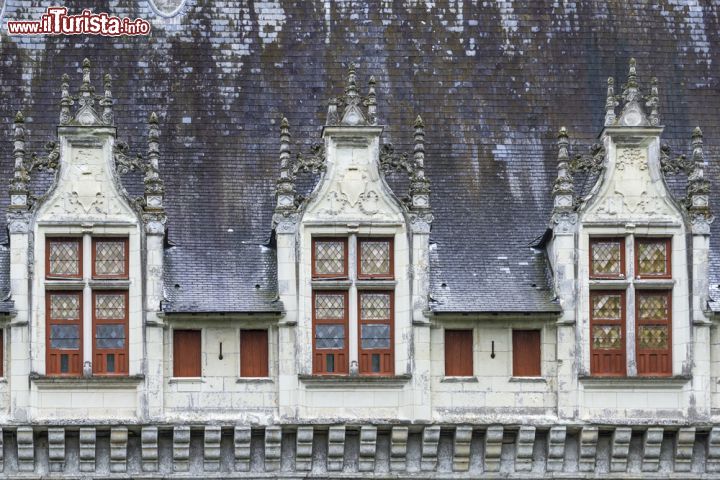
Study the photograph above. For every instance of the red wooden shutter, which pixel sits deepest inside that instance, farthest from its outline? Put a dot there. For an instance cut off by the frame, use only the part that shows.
(458, 353)
(526, 353)
(253, 353)
(63, 336)
(187, 353)
(607, 333)
(653, 336)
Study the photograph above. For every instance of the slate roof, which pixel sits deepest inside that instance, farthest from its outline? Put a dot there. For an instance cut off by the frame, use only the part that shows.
(493, 81)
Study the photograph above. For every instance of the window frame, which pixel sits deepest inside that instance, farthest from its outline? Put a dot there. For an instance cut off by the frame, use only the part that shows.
(175, 373)
(101, 353)
(79, 241)
(391, 245)
(126, 260)
(390, 351)
(623, 267)
(264, 365)
(653, 322)
(345, 274)
(668, 257)
(623, 331)
(319, 366)
(517, 352)
(471, 368)
(51, 352)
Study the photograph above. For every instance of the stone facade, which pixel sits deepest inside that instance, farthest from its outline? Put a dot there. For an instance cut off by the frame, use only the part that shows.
(414, 421)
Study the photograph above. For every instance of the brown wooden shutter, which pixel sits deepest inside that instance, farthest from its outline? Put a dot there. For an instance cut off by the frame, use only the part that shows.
(458, 353)
(526, 353)
(253, 353)
(187, 353)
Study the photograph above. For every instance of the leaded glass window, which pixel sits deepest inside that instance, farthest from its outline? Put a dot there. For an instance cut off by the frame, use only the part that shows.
(110, 336)
(607, 258)
(607, 337)
(64, 258)
(65, 337)
(64, 306)
(329, 257)
(375, 315)
(110, 258)
(653, 258)
(329, 306)
(375, 258)
(330, 336)
(653, 337)
(607, 306)
(653, 307)
(110, 306)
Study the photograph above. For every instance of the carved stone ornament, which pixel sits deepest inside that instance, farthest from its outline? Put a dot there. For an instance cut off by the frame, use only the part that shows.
(18, 222)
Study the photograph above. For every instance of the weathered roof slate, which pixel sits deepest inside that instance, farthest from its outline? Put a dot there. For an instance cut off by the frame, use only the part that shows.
(493, 81)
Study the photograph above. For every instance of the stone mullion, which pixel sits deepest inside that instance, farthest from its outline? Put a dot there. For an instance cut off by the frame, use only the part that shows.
(353, 332)
(87, 327)
(630, 323)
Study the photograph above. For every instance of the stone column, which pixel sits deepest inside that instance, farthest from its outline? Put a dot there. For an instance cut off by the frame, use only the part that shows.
(154, 325)
(286, 235)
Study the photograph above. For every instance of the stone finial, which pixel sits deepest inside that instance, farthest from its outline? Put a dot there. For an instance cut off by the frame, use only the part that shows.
(19, 185)
(563, 191)
(351, 91)
(698, 188)
(154, 209)
(632, 74)
(633, 114)
(107, 101)
(372, 101)
(87, 114)
(419, 184)
(652, 102)
(610, 102)
(66, 100)
(285, 209)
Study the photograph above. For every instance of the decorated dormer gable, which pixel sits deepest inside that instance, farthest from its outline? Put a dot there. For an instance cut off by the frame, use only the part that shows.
(362, 261)
(84, 254)
(620, 253)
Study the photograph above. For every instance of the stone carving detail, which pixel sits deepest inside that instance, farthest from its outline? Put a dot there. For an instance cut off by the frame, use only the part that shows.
(620, 447)
(357, 192)
(181, 448)
(493, 447)
(713, 452)
(524, 445)
(633, 103)
(87, 114)
(652, 443)
(118, 449)
(87, 449)
(25, 449)
(430, 440)
(368, 444)
(684, 445)
(336, 448)
(631, 158)
(556, 448)
(273, 441)
(56, 449)
(211, 448)
(588, 448)
(241, 441)
(398, 448)
(303, 449)
(461, 448)
(149, 449)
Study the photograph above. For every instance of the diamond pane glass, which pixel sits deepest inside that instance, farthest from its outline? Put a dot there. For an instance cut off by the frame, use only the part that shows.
(110, 258)
(109, 306)
(652, 258)
(330, 336)
(330, 257)
(654, 337)
(607, 337)
(606, 258)
(329, 306)
(374, 257)
(607, 307)
(375, 336)
(64, 257)
(110, 336)
(65, 337)
(653, 307)
(64, 306)
(375, 306)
